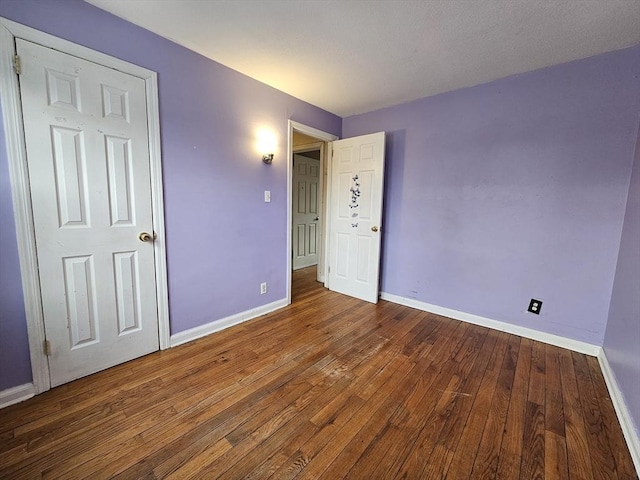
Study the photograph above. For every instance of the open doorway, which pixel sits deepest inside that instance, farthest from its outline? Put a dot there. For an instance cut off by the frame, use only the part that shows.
(307, 212)
(351, 189)
(308, 199)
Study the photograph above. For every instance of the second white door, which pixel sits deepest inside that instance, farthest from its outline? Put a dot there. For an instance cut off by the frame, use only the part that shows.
(306, 175)
(89, 170)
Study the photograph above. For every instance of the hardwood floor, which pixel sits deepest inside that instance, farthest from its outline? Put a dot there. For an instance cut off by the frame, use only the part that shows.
(330, 387)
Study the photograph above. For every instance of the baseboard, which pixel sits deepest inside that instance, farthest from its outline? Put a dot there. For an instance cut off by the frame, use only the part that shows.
(558, 341)
(620, 406)
(16, 394)
(217, 325)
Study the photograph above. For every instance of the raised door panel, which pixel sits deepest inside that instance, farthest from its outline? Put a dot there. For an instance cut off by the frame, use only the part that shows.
(128, 301)
(120, 181)
(81, 298)
(63, 90)
(69, 159)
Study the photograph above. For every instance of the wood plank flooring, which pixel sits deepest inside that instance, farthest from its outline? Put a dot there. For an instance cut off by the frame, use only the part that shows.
(328, 388)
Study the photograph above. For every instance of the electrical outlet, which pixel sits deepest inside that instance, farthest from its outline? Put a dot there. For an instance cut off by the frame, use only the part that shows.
(535, 306)
(267, 196)
(263, 288)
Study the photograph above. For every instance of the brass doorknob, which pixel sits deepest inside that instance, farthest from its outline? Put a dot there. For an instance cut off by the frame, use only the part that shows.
(145, 237)
(374, 229)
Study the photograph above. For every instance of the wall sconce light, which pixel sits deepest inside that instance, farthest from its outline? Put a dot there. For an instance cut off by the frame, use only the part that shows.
(266, 144)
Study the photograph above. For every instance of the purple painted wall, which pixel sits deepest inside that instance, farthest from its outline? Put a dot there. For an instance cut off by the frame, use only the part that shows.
(495, 193)
(222, 239)
(14, 346)
(623, 329)
(511, 190)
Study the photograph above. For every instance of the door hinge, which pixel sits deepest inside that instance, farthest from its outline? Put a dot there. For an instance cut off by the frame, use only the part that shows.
(16, 64)
(47, 347)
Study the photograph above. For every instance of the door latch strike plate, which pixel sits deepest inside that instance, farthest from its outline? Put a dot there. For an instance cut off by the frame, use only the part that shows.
(16, 64)
(47, 348)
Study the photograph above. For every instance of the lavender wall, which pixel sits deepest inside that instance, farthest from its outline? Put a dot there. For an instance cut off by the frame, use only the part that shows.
(222, 239)
(623, 329)
(512, 190)
(495, 194)
(14, 348)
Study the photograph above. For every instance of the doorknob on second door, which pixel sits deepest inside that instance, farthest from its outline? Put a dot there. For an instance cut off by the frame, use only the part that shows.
(145, 237)
(374, 229)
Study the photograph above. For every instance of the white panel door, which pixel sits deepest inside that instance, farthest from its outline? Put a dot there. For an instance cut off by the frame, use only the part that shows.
(306, 175)
(357, 178)
(89, 172)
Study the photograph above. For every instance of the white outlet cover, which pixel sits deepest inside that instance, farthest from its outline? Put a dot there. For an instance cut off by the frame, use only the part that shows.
(267, 196)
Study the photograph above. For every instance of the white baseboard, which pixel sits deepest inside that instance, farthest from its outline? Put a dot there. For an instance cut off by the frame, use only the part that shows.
(16, 394)
(558, 341)
(217, 325)
(620, 406)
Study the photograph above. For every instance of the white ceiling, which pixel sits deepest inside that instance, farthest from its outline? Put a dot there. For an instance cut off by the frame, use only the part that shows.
(354, 56)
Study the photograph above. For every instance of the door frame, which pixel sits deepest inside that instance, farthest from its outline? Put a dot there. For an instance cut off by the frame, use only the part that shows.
(20, 189)
(324, 164)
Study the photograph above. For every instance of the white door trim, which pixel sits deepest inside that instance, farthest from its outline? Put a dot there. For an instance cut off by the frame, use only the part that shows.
(320, 135)
(16, 150)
